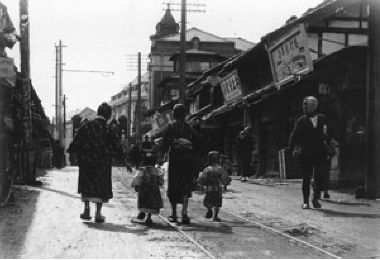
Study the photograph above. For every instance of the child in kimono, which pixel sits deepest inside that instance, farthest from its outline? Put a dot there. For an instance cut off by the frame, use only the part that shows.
(147, 184)
(213, 178)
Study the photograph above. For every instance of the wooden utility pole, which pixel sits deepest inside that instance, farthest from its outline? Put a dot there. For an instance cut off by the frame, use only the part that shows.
(138, 100)
(27, 92)
(59, 93)
(64, 118)
(182, 57)
(372, 179)
(129, 130)
(197, 8)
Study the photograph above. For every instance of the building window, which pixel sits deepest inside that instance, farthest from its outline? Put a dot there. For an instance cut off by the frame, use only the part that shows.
(193, 66)
(344, 24)
(196, 43)
(357, 40)
(196, 66)
(174, 93)
(205, 66)
(333, 42)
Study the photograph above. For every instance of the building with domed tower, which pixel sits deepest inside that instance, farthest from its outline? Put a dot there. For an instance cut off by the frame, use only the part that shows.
(203, 51)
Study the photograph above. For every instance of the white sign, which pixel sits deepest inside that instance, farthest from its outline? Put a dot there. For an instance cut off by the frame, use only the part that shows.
(290, 56)
(231, 86)
(7, 68)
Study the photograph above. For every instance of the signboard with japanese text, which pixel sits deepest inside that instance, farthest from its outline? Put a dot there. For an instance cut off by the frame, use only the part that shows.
(7, 68)
(231, 87)
(290, 56)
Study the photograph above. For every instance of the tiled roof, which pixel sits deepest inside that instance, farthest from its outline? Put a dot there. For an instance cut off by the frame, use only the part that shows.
(324, 9)
(241, 44)
(195, 32)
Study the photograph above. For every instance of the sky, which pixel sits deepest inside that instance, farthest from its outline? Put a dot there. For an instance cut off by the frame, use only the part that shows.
(101, 35)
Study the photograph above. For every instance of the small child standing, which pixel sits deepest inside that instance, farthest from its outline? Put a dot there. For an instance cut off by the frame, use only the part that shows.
(147, 183)
(213, 178)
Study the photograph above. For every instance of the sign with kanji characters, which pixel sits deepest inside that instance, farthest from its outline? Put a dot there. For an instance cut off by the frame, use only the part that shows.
(7, 68)
(290, 56)
(231, 87)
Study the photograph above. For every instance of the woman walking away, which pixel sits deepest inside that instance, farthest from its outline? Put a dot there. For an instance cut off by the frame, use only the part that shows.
(147, 183)
(180, 139)
(213, 178)
(95, 145)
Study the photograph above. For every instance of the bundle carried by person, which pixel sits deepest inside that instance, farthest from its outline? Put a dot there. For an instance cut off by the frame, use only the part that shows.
(181, 144)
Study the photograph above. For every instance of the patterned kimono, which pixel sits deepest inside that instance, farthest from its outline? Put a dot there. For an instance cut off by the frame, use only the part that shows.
(181, 142)
(95, 145)
(213, 178)
(147, 182)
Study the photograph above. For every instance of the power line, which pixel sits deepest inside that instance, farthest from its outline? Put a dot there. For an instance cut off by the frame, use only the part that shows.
(91, 71)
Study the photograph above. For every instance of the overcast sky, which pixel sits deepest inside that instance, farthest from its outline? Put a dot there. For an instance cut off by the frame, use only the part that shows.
(99, 35)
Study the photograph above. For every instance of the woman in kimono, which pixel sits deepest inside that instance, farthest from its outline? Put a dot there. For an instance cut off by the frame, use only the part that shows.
(180, 140)
(95, 145)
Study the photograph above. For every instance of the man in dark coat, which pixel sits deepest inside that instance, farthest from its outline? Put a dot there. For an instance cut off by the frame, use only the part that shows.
(181, 140)
(309, 138)
(95, 145)
(244, 147)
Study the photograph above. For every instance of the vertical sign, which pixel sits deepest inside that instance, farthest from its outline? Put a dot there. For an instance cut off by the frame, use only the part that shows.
(231, 87)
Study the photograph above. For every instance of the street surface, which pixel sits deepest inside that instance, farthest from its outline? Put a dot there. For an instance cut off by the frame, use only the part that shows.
(260, 220)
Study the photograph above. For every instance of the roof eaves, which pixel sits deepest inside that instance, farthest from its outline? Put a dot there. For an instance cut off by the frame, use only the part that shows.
(330, 7)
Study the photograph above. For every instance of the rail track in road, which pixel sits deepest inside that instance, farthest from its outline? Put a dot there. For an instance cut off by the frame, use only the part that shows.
(259, 225)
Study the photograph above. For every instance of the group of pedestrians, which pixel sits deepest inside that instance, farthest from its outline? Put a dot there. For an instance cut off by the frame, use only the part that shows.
(96, 144)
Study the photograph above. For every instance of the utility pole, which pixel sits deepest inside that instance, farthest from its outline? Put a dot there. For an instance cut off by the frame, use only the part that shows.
(138, 101)
(197, 8)
(60, 98)
(132, 65)
(59, 124)
(182, 55)
(27, 92)
(129, 111)
(372, 177)
(64, 117)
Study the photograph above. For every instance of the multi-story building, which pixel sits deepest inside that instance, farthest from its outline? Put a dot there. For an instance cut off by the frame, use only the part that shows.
(203, 51)
(166, 43)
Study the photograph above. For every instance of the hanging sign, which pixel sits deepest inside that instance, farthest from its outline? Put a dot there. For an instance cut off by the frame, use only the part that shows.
(231, 87)
(7, 68)
(290, 56)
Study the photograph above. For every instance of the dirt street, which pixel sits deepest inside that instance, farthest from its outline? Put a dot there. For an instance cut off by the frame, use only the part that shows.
(44, 223)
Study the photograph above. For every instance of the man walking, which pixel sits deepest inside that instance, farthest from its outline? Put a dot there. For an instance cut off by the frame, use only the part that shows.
(308, 139)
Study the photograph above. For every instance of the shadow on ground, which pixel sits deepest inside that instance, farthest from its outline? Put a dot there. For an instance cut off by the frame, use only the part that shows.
(16, 220)
(119, 228)
(335, 213)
